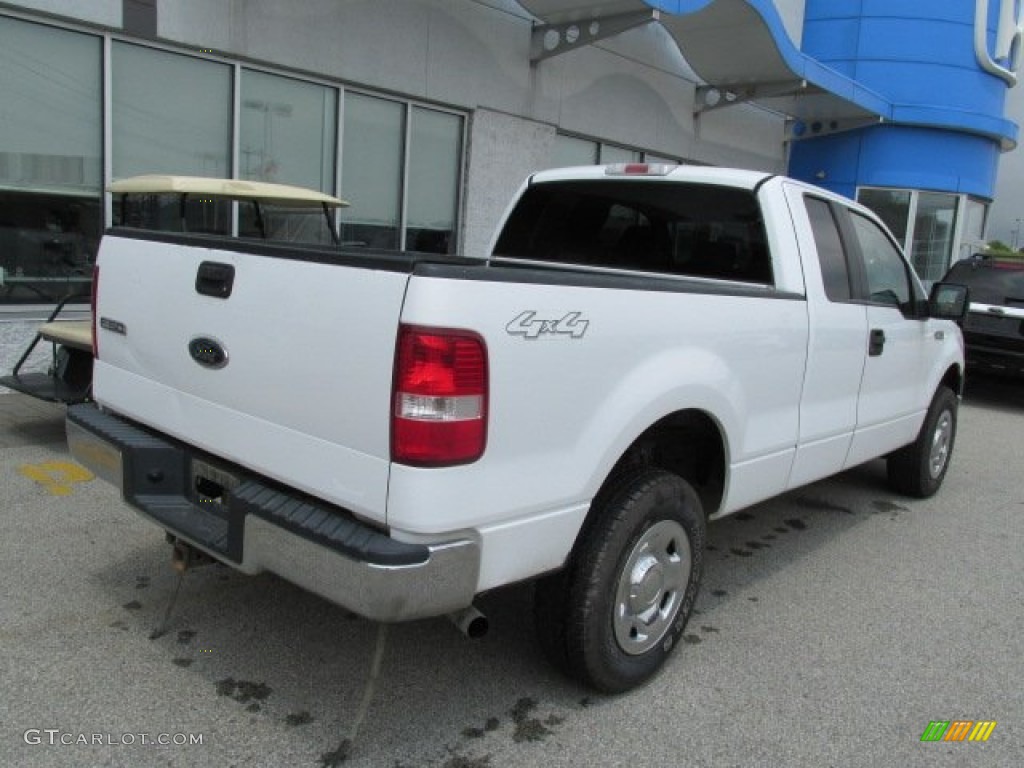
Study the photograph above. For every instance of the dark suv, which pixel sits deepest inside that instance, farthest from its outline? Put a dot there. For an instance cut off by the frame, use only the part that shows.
(994, 328)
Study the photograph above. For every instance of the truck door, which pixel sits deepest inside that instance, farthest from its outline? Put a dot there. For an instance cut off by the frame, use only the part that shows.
(838, 337)
(891, 399)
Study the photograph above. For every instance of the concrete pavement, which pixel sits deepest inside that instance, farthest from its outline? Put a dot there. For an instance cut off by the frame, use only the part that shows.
(834, 625)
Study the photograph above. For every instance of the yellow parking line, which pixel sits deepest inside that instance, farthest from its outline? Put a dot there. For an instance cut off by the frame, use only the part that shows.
(57, 477)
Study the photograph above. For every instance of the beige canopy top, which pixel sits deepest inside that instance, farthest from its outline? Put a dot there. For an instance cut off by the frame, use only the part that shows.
(232, 189)
(258, 193)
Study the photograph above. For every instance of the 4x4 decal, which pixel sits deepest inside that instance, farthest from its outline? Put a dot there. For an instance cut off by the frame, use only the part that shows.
(529, 326)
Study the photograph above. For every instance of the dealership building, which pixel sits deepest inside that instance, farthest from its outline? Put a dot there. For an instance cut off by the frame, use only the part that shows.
(427, 114)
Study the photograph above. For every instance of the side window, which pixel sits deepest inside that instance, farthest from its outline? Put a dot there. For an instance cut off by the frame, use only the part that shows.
(884, 268)
(834, 270)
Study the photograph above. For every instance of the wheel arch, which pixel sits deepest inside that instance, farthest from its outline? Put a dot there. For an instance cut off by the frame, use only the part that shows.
(954, 379)
(689, 443)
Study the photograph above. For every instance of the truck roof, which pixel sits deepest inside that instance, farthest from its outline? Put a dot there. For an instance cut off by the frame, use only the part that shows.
(698, 174)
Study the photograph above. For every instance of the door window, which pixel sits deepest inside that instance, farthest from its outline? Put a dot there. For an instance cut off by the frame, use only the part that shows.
(885, 270)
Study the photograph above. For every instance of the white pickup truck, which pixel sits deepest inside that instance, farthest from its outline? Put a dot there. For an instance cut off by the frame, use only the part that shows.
(647, 348)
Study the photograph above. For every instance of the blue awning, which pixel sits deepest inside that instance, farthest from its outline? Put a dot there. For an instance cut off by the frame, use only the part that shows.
(741, 50)
(742, 46)
(738, 47)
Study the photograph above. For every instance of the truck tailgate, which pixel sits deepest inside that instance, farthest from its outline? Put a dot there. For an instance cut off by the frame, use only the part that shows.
(307, 339)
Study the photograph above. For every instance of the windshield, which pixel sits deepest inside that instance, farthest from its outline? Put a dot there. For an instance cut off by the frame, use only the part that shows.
(990, 282)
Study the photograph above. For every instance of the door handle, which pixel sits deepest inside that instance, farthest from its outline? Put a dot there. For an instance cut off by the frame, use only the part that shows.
(215, 279)
(876, 343)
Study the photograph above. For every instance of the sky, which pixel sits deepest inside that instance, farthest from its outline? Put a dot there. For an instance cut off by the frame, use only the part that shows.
(1007, 212)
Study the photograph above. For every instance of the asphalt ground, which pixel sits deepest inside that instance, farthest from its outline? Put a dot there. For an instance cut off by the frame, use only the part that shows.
(835, 624)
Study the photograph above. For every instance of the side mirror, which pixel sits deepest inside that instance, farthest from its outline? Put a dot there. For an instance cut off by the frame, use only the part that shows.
(949, 301)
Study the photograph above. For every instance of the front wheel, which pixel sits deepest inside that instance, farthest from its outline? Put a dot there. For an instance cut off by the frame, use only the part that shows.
(616, 612)
(919, 468)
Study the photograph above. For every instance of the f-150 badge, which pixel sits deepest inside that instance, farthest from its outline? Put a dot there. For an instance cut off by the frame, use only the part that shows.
(529, 326)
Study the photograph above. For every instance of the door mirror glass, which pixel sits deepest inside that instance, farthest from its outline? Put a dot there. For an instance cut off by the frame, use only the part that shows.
(948, 301)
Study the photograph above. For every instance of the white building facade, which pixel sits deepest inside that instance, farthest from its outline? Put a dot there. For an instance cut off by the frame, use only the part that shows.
(424, 114)
(427, 114)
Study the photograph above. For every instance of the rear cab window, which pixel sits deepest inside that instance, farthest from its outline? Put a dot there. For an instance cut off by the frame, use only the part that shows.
(686, 229)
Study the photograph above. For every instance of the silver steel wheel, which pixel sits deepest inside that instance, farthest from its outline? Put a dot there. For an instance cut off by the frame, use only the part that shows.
(942, 438)
(651, 587)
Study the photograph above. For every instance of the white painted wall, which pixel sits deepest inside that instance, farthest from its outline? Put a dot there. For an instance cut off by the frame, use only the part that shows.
(504, 150)
(792, 14)
(634, 89)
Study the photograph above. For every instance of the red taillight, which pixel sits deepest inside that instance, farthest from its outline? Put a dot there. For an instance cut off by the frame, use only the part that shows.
(639, 169)
(92, 304)
(439, 406)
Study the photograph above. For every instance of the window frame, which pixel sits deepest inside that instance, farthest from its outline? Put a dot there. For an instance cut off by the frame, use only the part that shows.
(71, 252)
(599, 147)
(408, 113)
(237, 66)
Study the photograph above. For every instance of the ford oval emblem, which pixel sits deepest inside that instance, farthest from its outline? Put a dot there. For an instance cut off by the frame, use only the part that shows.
(208, 352)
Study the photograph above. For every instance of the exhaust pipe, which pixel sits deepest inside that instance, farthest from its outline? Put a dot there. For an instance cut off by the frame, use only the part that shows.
(184, 556)
(470, 622)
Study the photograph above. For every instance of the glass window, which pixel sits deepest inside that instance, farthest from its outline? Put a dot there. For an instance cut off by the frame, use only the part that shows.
(570, 150)
(613, 154)
(973, 240)
(173, 213)
(700, 230)
(650, 158)
(933, 234)
(930, 246)
(892, 206)
(50, 166)
(287, 135)
(834, 270)
(292, 224)
(373, 153)
(171, 114)
(885, 269)
(435, 154)
(287, 131)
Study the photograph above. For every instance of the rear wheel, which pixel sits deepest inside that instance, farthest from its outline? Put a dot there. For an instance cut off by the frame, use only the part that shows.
(615, 613)
(919, 468)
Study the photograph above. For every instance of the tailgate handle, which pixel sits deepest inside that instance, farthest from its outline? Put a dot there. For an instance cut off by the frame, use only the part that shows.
(215, 279)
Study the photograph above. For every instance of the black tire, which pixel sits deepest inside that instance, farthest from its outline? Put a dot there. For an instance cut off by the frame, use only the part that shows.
(613, 615)
(919, 468)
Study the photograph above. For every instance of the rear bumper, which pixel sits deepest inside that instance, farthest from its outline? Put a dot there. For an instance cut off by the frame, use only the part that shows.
(249, 524)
